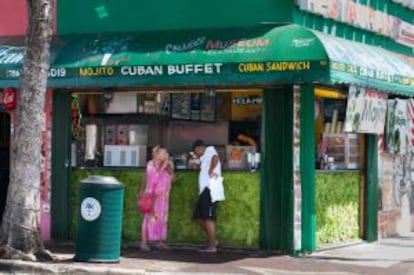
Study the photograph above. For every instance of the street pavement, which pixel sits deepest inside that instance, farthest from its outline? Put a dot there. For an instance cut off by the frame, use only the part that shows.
(388, 256)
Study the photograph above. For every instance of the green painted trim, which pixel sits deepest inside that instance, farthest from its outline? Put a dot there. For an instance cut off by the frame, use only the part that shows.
(124, 15)
(60, 175)
(307, 167)
(371, 190)
(276, 194)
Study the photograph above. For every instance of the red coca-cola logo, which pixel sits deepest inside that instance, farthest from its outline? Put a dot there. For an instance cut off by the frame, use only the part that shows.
(9, 98)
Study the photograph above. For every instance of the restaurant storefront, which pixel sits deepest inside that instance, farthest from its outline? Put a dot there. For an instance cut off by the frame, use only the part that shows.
(251, 92)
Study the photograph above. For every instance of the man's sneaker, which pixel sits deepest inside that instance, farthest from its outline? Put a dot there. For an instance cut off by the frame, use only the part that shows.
(208, 250)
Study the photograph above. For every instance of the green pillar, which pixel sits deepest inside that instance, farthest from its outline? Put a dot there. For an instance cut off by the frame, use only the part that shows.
(60, 177)
(371, 190)
(307, 167)
(276, 195)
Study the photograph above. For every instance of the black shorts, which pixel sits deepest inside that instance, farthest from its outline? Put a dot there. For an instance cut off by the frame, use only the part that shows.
(205, 209)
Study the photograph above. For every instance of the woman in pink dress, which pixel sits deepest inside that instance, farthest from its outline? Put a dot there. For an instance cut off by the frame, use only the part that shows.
(159, 174)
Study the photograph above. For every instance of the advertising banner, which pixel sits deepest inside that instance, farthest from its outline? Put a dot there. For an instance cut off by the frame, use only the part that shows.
(366, 111)
(397, 126)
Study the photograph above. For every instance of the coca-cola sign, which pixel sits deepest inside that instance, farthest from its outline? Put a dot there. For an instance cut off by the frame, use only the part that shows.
(9, 98)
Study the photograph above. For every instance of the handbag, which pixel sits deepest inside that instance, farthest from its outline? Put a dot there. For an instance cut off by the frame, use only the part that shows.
(145, 201)
(216, 187)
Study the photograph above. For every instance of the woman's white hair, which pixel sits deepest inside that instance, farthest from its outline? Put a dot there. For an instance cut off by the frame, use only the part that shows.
(157, 148)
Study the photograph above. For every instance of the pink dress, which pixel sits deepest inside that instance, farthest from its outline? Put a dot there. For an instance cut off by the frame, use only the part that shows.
(155, 224)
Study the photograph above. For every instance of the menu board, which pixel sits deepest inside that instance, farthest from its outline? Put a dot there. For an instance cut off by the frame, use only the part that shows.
(193, 106)
(208, 108)
(180, 105)
(150, 104)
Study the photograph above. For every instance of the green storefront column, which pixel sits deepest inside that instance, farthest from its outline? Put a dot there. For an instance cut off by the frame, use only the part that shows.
(307, 167)
(60, 177)
(276, 194)
(371, 190)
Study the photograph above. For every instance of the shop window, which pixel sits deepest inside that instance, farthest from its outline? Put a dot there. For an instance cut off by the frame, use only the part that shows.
(118, 129)
(336, 149)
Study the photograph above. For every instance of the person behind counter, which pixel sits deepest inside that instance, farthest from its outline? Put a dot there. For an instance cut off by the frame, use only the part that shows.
(205, 209)
(159, 175)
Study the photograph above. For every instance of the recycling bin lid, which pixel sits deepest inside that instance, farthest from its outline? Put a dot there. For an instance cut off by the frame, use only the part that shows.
(102, 180)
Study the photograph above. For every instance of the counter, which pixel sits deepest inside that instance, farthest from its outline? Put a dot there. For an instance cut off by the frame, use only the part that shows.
(337, 205)
(238, 216)
(337, 171)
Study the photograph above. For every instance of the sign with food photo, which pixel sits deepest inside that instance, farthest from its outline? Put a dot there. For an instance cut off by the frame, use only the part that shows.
(237, 156)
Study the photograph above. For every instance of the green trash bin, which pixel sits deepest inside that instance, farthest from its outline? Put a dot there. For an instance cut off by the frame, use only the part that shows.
(100, 210)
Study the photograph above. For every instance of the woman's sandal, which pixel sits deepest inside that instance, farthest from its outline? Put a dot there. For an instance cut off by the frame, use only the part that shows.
(162, 246)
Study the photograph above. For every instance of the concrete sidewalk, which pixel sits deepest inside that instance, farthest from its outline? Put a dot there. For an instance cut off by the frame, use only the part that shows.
(389, 256)
(388, 253)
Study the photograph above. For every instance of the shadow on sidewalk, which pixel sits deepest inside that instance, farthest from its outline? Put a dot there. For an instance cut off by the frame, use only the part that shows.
(193, 256)
(185, 254)
(403, 245)
(404, 238)
(347, 259)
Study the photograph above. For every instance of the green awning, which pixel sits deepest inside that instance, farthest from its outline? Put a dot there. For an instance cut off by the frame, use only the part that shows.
(262, 55)
(367, 66)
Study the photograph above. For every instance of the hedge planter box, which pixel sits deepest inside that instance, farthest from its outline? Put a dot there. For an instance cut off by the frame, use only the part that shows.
(238, 215)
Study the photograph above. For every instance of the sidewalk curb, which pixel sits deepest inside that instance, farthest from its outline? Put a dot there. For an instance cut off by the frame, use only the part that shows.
(17, 266)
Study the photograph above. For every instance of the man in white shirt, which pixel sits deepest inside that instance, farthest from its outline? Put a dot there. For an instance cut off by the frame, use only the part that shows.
(205, 210)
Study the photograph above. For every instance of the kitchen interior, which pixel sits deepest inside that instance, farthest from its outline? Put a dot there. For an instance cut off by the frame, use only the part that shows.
(117, 129)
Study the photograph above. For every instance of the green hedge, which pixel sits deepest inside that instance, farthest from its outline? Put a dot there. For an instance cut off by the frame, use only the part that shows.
(238, 215)
(337, 207)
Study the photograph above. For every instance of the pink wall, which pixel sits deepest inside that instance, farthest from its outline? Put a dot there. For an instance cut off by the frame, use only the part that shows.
(45, 173)
(46, 170)
(13, 17)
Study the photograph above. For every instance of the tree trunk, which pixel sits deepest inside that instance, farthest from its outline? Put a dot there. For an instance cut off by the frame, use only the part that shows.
(20, 229)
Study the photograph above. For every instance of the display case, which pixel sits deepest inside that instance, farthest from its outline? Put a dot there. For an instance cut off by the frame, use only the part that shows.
(237, 156)
(344, 148)
(125, 155)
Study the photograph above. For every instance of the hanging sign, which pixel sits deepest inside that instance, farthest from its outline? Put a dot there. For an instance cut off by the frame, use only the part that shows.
(9, 99)
(246, 105)
(366, 111)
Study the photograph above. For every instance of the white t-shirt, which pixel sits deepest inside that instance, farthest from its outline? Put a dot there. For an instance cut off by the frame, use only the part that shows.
(205, 160)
